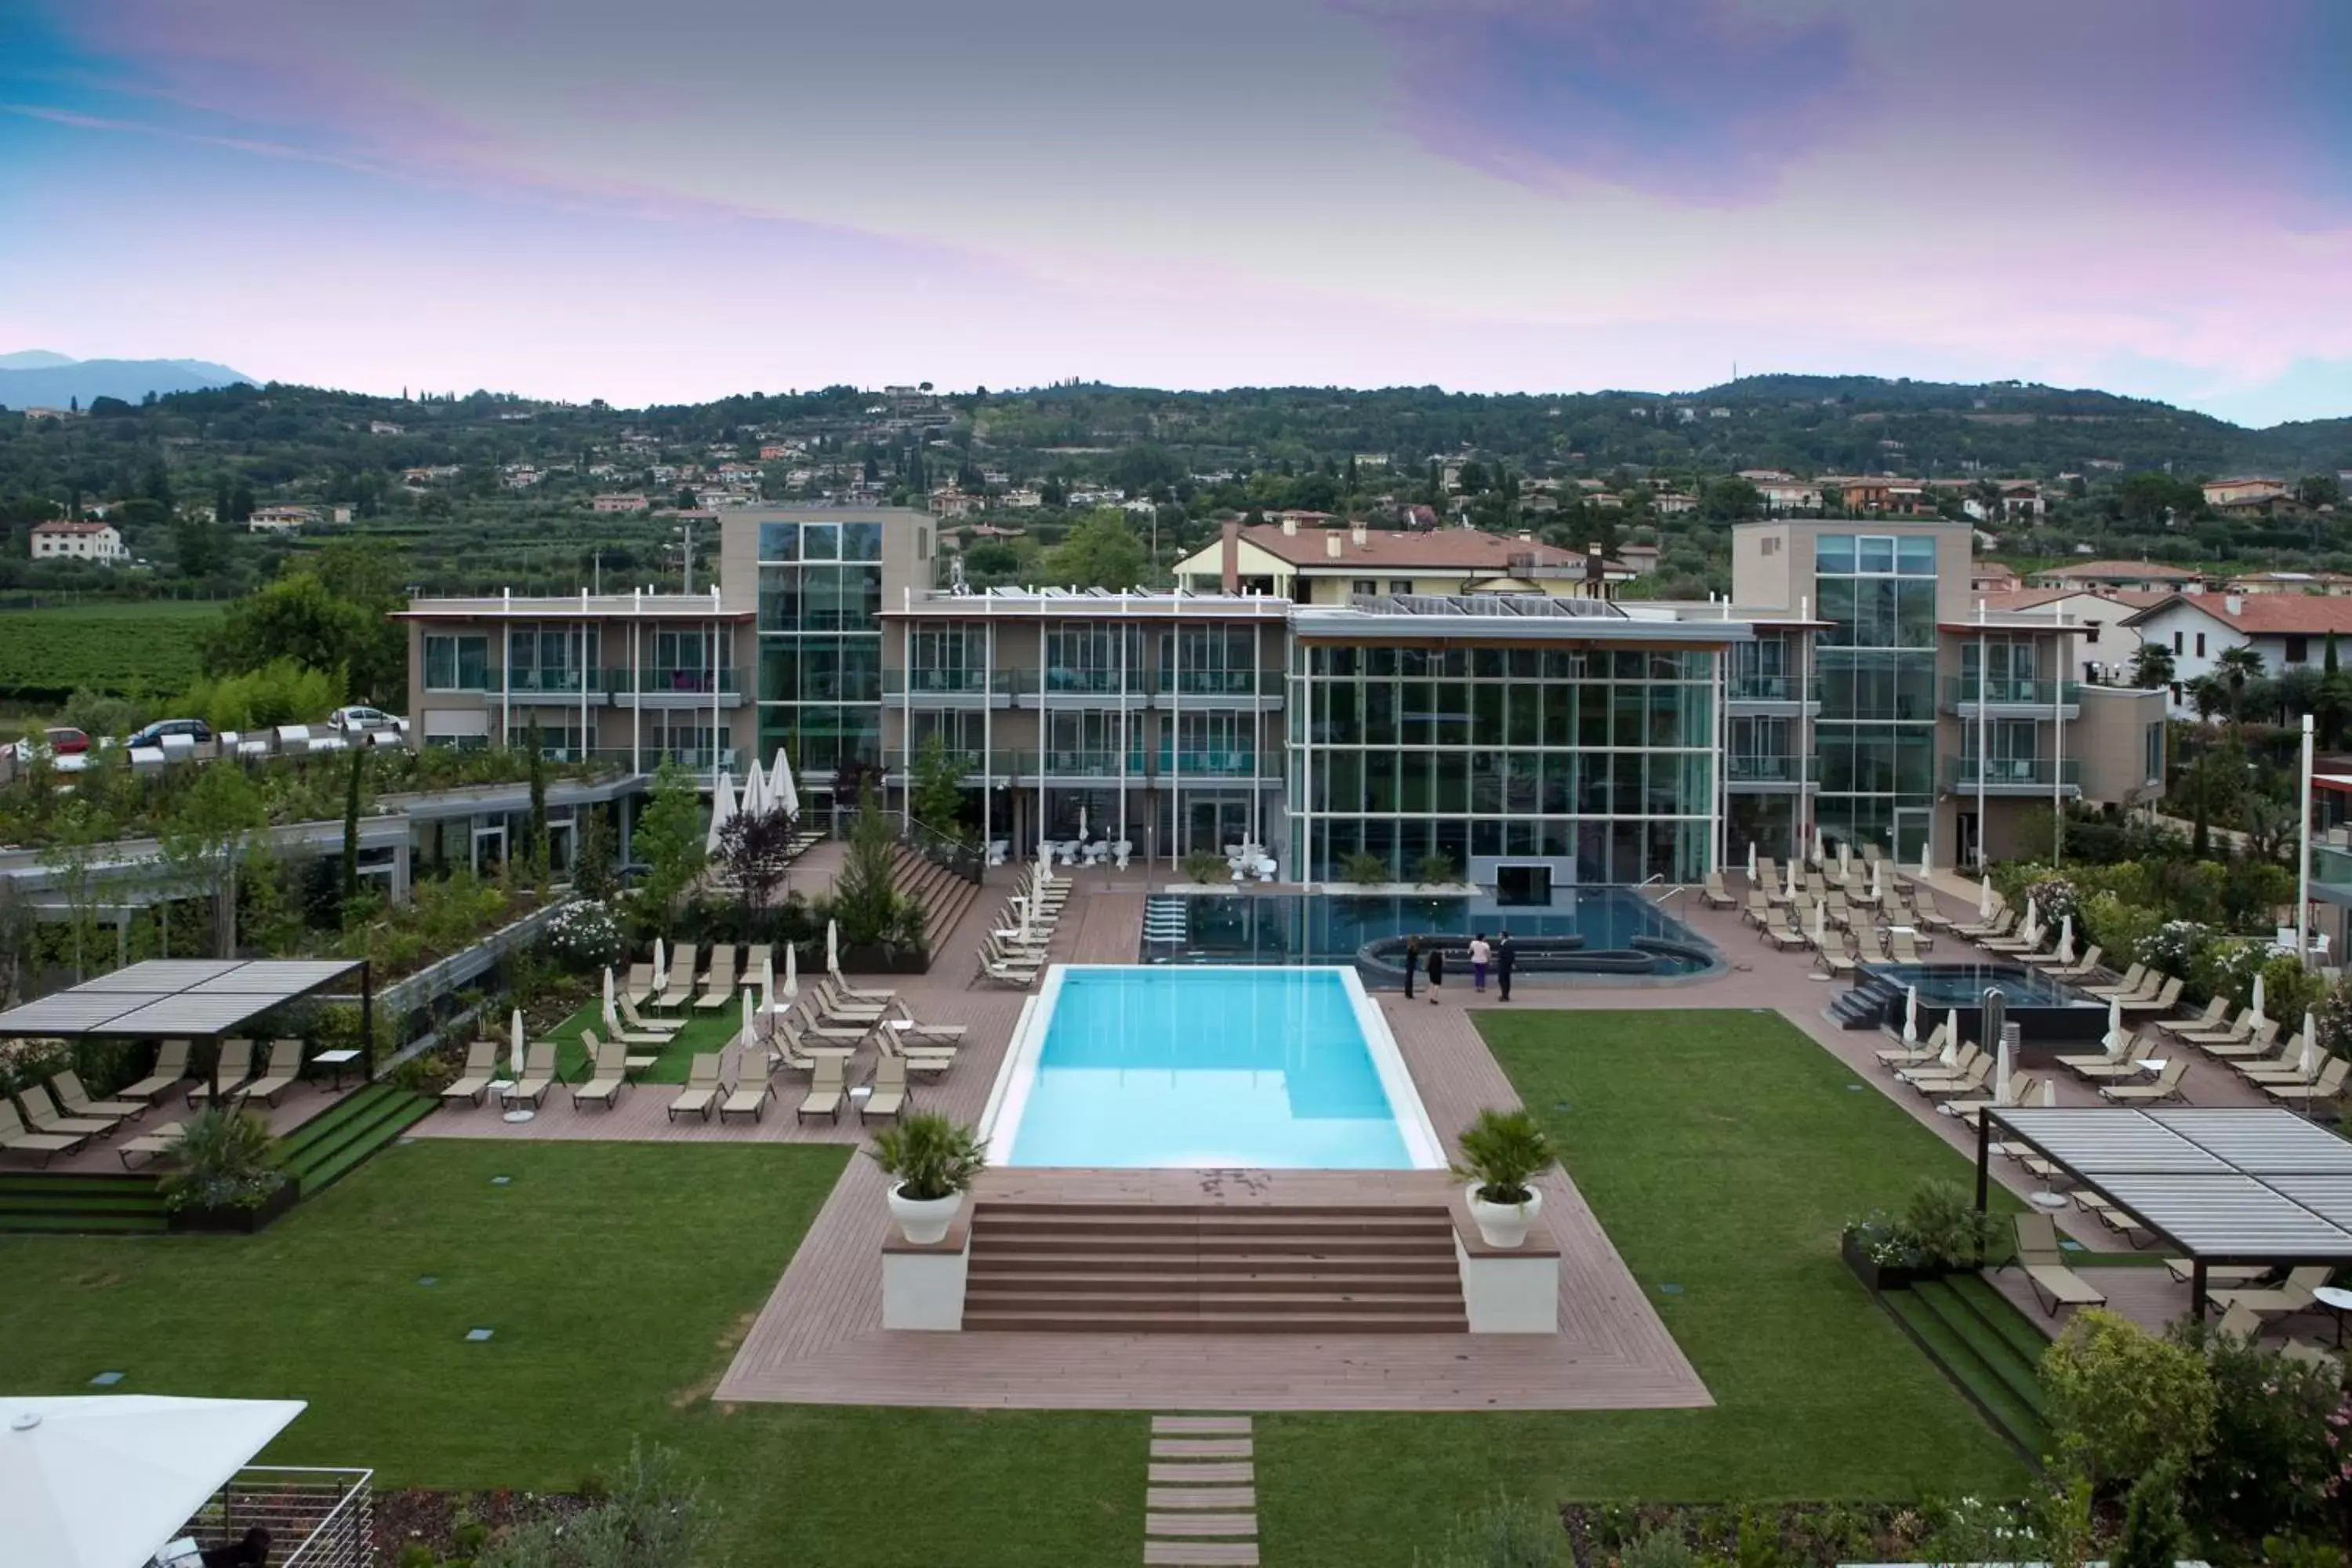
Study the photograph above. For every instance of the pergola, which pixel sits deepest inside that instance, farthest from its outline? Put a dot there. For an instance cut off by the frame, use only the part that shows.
(2255, 1186)
(190, 999)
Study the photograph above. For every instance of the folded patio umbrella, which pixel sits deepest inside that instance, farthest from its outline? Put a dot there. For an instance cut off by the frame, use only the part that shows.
(1911, 1015)
(792, 971)
(747, 1042)
(2066, 939)
(1925, 867)
(2114, 1020)
(2000, 1070)
(1790, 892)
(833, 947)
(2030, 931)
(780, 788)
(1751, 862)
(2049, 1094)
(2257, 1003)
(1950, 1055)
(1878, 878)
(722, 809)
(661, 965)
(755, 802)
(1984, 901)
(611, 1013)
(2309, 1066)
(517, 1031)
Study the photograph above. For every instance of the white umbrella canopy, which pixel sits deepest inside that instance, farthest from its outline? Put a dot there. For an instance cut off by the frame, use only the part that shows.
(515, 1028)
(748, 1041)
(2000, 1070)
(1751, 862)
(756, 801)
(1984, 901)
(103, 1480)
(1911, 1015)
(792, 971)
(2257, 1003)
(784, 796)
(833, 947)
(722, 809)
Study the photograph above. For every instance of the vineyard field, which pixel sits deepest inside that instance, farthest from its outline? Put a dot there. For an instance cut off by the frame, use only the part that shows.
(128, 649)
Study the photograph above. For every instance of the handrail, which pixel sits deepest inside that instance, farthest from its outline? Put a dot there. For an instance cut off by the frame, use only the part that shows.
(1660, 901)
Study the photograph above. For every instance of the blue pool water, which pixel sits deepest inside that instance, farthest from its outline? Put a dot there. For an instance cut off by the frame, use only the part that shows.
(1963, 984)
(1198, 1068)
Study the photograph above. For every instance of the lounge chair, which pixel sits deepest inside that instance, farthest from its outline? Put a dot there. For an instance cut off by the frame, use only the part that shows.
(1978, 1073)
(929, 1061)
(818, 1030)
(606, 1077)
(2003, 922)
(749, 1097)
(2185, 1270)
(2263, 1042)
(2134, 980)
(2021, 1087)
(2284, 1067)
(43, 1116)
(1915, 1054)
(538, 1075)
(285, 1072)
(2045, 1268)
(912, 1030)
(1833, 958)
(1787, 936)
(2164, 1001)
(641, 986)
(156, 1143)
(481, 1070)
(1963, 1058)
(16, 1139)
(1001, 974)
(887, 1095)
(867, 994)
(171, 1067)
(2082, 968)
(234, 1069)
(638, 1024)
(1713, 894)
(804, 1046)
(76, 1101)
(2166, 1086)
(827, 1091)
(834, 1007)
(2328, 1085)
(680, 990)
(756, 961)
(629, 1064)
(2209, 1030)
(2118, 1060)
(719, 985)
(702, 1089)
(1757, 911)
(2292, 1294)
(2114, 1218)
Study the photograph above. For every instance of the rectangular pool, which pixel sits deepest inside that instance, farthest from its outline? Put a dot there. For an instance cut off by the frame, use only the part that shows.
(1207, 1068)
(1963, 984)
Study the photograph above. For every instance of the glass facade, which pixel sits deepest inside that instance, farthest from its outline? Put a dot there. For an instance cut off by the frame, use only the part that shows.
(820, 640)
(1600, 759)
(1876, 733)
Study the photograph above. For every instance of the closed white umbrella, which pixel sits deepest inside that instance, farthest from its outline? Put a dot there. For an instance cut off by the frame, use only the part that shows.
(722, 809)
(1950, 1055)
(1910, 1015)
(1984, 901)
(748, 1041)
(1790, 892)
(1821, 925)
(768, 979)
(2000, 1070)
(1925, 867)
(1845, 859)
(2258, 999)
(611, 1015)
(783, 794)
(2049, 1094)
(1821, 852)
(755, 802)
(518, 1043)
(2310, 1065)
(2031, 931)
(661, 965)
(1751, 862)
(2114, 1025)
(833, 947)
(1878, 879)
(792, 971)
(2065, 939)
(101, 1480)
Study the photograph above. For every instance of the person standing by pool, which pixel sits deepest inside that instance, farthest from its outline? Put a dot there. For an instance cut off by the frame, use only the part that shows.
(1411, 963)
(1480, 955)
(1436, 971)
(1505, 959)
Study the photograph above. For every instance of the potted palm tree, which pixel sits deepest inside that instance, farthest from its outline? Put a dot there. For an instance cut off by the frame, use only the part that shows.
(935, 1160)
(224, 1180)
(1502, 1154)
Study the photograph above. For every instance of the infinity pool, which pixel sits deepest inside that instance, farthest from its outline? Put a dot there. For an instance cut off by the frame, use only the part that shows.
(1203, 1067)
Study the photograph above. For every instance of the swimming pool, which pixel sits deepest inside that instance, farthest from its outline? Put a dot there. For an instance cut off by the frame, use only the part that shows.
(1207, 1068)
(1963, 984)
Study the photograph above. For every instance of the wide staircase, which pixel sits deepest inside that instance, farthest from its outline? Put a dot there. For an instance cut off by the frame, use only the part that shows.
(338, 1140)
(1123, 1268)
(944, 893)
(101, 1203)
(1985, 1345)
(1863, 1005)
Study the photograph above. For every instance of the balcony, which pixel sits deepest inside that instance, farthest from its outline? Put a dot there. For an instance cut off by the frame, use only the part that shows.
(551, 685)
(1110, 686)
(2012, 776)
(967, 763)
(1207, 763)
(948, 687)
(1770, 690)
(1209, 686)
(674, 687)
(647, 757)
(1765, 773)
(2014, 698)
(1078, 764)
(2331, 874)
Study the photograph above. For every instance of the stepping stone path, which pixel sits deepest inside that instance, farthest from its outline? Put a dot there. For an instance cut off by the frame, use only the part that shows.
(1202, 1503)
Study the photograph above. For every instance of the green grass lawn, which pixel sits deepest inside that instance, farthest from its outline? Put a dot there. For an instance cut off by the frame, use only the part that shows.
(617, 1278)
(704, 1031)
(1722, 1150)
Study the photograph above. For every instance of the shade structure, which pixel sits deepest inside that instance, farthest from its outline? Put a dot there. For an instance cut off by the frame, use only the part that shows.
(833, 947)
(782, 790)
(197, 998)
(722, 809)
(105, 1481)
(1845, 862)
(515, 1030)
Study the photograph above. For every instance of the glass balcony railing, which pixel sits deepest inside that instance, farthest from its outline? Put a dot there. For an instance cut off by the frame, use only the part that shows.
(2330, 866)
(673, 682)
(896, 762)
(1766, 770)
(1073, 682)
(552, 682)
(1080, 764)
(2003, 691)
(1772, 689)
(1208, 762)
(2011, 773)
(649, 755)
(1218, 682)
(935, 683)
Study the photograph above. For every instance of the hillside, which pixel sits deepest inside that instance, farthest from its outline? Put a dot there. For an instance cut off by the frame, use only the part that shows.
(38, 379)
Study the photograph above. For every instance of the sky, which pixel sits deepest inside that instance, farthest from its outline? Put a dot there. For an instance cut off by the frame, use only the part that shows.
(585, 198)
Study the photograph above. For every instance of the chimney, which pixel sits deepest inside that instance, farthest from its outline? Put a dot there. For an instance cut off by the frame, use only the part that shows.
(2233, 604)
(1596, 567)
(1290, 528)
(1230, 578)
(1332, 544)
(1363, 540)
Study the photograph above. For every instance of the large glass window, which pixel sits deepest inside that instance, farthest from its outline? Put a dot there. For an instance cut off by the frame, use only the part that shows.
(457, 663)
(1875, 737)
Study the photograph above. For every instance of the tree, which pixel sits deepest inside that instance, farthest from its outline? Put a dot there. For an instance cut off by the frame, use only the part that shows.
(294, 618)
(592, 861)
(866, 894)
(670, 839)
(1726, 500)
(2152, 666)
(2236, 667)
(756, 849)
(1099, 551)
(2120, 1400)
(2316, 490)
(936, 791)
(352, 791)
(205, 840)
(195, 547)
(538, 850)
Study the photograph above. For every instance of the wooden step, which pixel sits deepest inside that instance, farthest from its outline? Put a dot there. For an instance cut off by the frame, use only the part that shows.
(1200, 1554)
(1063, 1323)
(1201, 1447)
(1426, 1213)
(1218, 1473)
(1316, 1243)
(1394, 1265)
(1199, 1425)
(1162, 1498)
(1200, 1525)
(1148, 1302)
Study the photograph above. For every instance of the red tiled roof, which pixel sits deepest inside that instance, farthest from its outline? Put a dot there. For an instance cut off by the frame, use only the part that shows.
(59, 526)
(1444, 550)
(2271, 615)
(2152, 570)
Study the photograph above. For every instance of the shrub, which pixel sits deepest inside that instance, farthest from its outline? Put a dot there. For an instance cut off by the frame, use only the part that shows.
(2152, 1533)
(932, 1156)
(651, 1514)
(1661, 1548)
(2227, 967)
(1364, 870)
(2056, 897)
(2173, 947)
(1886, 1241)
(1206, 865)
(1435, 871)
(1944, 1221)
(583, 937)
(224, 1163)
(1508, 1532)
(866, 895)
(2121, 1400)
(2123, 929)
(2272, 1467)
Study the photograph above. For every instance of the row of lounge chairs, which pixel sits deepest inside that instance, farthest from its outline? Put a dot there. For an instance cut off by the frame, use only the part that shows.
(1013, 953)
(677, 988)
(60, 1116)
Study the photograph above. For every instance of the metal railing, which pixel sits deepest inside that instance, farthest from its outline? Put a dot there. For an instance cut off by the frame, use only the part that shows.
(2011, 773)
(2002, 691)
(937, 683)
(1069, 681)
(899, 760)
(673, 680)
(317, 1518)
(1219, 682)
(549, 682)
(1772, 689)
(1209, 762)
(1758, 769)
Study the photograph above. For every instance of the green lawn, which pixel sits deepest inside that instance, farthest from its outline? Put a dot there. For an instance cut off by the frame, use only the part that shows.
(704, 1031)
(616, 1278)
(1722, 1150)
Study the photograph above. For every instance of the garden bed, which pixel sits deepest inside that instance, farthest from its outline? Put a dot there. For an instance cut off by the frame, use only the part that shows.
(236, 1219)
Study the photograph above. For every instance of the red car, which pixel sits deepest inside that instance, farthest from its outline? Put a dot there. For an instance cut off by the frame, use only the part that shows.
(64, 740)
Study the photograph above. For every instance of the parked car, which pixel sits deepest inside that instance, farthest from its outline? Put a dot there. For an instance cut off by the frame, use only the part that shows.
(358, 721)
(58, 741)
(154, 734)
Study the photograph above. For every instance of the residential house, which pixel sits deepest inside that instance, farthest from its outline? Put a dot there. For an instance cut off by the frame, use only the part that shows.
(1994, 577)
(1674, 504)
(2290, 631)
(83, 541)
(1339, 565)
(1640, 559)
(281, 518)
(1886, 497)
(608, 503)
(1784, 495)
(2249, 490)
(2130, 576)
(2334, 584)
(384, 427)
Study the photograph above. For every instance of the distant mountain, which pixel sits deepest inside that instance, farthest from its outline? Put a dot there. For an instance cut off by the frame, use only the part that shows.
(35, 378)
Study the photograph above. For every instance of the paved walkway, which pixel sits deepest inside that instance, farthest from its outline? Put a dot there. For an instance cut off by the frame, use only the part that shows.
(1200, 1493)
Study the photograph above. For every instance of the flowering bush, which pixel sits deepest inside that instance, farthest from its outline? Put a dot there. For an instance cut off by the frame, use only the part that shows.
(2173, 945)
(1887, 1241)
(2227, 967)
(583, 937)
(2056, 897)
(2274, 1464)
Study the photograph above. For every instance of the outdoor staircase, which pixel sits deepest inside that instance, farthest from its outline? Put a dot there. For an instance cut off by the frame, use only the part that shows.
(1131, 1268)
(944, 894)
(1863, 1005)
(1167, 921)
(340, 1139)
(104, 1203)
(1992, 1351)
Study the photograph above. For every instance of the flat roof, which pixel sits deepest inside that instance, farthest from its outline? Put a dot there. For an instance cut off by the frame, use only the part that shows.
(580, 606)
(175, 996)
(1537, 618)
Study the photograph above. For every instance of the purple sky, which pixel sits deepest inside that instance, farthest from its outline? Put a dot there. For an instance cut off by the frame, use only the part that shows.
(604, 198)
